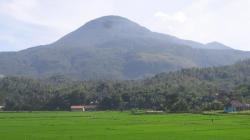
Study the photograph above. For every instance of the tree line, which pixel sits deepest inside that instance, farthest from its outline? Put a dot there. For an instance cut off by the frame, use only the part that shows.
(187, 90)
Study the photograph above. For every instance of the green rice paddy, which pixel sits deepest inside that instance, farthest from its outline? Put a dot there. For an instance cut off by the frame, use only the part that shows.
(122, 126)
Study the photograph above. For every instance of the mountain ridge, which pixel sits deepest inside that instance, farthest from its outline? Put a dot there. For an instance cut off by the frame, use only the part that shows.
(217, 45)
(114, 47)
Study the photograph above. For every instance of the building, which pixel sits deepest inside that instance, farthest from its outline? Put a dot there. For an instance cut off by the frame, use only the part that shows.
(77, 108)
(83, 108)
(90, 107)
(235, 106)
(1, 108)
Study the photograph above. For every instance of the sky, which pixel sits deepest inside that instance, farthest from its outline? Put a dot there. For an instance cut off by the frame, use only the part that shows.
(29, 23)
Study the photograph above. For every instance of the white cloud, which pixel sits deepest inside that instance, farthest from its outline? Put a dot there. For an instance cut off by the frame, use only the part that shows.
(34, 22)
(21, 10)
(209, 20)
(42, 21)
(62, 16)
(178, 16)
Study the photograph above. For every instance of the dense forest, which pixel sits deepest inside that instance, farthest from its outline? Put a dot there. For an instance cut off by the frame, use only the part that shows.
(187, 90)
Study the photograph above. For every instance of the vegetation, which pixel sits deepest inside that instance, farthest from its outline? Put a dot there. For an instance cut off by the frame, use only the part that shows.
(188, 90)
(111, 48)
(122, 126)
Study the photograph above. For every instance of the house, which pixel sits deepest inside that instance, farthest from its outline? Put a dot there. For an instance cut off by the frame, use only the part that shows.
(154, 112)
(235, 106)
(90, 107)
(77, 108)
(1, 108)
(83, 108)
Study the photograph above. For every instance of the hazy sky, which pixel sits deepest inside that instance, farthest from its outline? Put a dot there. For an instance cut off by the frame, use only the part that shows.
(27, 23)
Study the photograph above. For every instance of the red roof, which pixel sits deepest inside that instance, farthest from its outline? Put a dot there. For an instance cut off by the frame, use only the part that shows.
(76, 107)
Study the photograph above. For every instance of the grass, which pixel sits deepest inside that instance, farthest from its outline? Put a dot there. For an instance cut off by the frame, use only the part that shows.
(122, 126)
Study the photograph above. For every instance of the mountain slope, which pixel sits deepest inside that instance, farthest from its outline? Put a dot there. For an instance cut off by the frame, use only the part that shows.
(230, 75)
(187, 90)
(113, 47)
(217, 45)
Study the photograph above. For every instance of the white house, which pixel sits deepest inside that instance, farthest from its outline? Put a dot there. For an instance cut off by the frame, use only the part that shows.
(77, 108)
(83, 107)
(1, 107)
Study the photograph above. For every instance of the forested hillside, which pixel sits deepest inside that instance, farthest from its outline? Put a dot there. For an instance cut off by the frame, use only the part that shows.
(115, 48)
(183, 91)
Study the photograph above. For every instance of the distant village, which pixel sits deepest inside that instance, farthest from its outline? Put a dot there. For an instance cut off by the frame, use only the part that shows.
(233, 106)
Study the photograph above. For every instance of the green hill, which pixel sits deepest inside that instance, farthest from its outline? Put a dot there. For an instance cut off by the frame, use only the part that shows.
(187, 90)
(114, 47)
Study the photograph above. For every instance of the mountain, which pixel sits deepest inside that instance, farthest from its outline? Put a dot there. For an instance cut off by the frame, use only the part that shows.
(217, 46)
(114, 47)
(226, 77)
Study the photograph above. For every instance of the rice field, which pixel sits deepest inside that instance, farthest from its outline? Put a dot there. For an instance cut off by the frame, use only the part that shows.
(122, 126)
